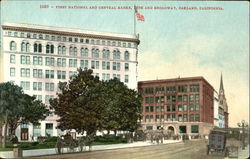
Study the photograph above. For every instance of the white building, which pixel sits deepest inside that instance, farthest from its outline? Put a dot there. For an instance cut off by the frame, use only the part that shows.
(38, 57)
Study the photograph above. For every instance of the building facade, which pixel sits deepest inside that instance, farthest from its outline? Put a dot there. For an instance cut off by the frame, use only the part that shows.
(38, 57)
(179, 106)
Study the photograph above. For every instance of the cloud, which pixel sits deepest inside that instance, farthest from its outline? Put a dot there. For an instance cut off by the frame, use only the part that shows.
(195, 56)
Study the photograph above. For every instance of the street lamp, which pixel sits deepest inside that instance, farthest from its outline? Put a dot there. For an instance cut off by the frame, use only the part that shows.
(243, 124)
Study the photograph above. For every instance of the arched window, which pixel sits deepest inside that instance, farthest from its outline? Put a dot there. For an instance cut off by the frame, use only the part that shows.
(13, 46)
(105, 53)
(84, 52)
(27, 47)
(23, 47)
(73, 51)
(37, 47)
(95, 53)
(126, 55)
(50, 48)
(61, 50)
(116, 54)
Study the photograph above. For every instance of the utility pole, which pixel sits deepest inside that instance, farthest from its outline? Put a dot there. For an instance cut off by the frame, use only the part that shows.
(243, 124)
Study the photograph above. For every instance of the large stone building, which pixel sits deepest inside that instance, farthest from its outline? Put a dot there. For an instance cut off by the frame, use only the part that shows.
(38, 57)
(179, 106)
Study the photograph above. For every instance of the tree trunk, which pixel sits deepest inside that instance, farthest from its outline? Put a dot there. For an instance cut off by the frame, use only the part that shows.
(5, 130)
(115, 131)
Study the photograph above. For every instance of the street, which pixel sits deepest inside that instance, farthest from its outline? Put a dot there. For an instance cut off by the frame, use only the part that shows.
(195, 149)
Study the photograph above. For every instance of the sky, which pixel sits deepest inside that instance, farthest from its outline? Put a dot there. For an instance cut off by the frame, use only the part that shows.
(173, 43)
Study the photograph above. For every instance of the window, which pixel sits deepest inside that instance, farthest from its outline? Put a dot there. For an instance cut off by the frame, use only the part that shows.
(73, 51)
(95, 64)
(40, 36)
(47, 37)
(129, 44)
(147, 109)
(117, 76)
(53, 38)
(146, 99)
(191, 119)
(12, 58)
(50, 48)
(194, 128)
(37, 86)
(151, 99)
(180, 108)
(191, 97)
(151, 118)
(84, 52)
(61, 62)
(59, 38)
(185, 117)
(197, 117)
(171, 89)
(49, 86)
(25, 47)
(47, 98)
(49, 74)
(95, 53)
(72, 62)
(126, 79)
(25, 85)
(61, 50)
(37, 60)
(184, 107)
(61, 74)
(25, 72)
(113, 43)
(37, 73)
(168, 99)
(105, 54)
(25, 59)
(149, 90)
(168, 117)
(81, 40)
(105, 65)
(12, 72)
(168, 108)
(173, 117)
(84, 64)
(173, 108)
(191, 107)
(158, 90)
(37, 130)
(182, 88)
(12, 46)
(197, 97)
(180, 118)
(92, 41)
(182, 129)
(116, 66)
(76, 39)
(194, 88)
(116, 54)
(126, 66)
(173, 98)
(185, 98)
(106, 76)
(179, 98)
(50, 61)
(38, 47)
(124, 44)
(197, 107)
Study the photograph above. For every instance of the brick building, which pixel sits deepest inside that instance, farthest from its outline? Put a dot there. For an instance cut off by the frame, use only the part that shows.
(179, 106)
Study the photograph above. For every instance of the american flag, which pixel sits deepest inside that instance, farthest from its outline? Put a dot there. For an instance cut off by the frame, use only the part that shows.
(139, 16)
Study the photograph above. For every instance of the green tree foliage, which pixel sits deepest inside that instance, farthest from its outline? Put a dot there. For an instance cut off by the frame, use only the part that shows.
(17, 107)
(79, 104)
(87, 104)
(122, 107)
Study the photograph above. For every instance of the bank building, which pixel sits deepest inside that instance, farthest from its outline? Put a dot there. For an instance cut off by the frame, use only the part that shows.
(37, 57)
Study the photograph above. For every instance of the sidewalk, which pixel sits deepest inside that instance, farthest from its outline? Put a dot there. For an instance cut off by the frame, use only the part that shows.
(51, 151)
(242, 154)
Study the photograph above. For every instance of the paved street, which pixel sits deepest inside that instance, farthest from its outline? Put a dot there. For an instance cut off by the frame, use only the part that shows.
(189, 150)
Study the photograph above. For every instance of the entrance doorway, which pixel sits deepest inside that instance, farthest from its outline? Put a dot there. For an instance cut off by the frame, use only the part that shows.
(171, 131)
(24, 132)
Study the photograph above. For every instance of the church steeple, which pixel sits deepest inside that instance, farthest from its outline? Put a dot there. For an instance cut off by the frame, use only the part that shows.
(221, 91)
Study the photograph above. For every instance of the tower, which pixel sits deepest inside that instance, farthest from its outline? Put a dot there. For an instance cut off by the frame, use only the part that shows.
(223, 107)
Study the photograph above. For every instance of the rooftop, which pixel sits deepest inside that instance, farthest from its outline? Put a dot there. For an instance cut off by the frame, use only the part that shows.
(69, 31)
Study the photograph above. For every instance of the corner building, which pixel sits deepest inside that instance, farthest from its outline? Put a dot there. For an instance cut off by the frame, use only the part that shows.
(179, 106)
(37, 57)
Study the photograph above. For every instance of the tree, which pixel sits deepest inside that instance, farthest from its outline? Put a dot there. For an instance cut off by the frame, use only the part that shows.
(87, 104)
(122, 107)
(17, 107)
(79, 104)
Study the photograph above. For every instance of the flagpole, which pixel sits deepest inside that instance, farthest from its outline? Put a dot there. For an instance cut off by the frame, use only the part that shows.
(134, 21)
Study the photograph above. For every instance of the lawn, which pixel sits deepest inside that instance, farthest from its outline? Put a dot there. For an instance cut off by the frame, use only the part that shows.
(51, 142)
